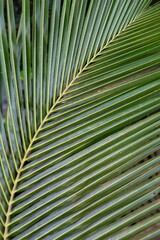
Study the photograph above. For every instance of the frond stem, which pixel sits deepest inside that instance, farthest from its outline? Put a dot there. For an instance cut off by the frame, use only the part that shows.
(6, 235)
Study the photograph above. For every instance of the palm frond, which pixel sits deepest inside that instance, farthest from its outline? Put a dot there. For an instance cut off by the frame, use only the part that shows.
(79, 143)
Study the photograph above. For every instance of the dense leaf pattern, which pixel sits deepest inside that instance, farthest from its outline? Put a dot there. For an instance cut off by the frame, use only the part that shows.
(79, 143)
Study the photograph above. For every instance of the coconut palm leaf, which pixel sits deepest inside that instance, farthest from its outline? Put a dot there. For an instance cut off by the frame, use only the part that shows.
(79, 144)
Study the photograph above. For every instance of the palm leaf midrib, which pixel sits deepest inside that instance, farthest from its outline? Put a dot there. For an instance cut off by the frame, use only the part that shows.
(28, 149)
(40, 127)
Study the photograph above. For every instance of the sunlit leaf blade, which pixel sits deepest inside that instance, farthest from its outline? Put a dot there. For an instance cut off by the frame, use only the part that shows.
(79, 144)
(26, 55)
